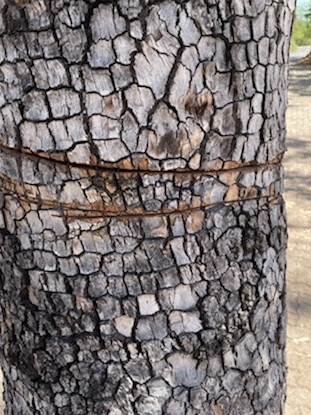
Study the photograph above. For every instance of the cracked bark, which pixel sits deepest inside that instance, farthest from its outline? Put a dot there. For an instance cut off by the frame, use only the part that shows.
(142, 223)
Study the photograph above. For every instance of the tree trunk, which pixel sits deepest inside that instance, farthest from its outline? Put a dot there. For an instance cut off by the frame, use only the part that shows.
(306, 60)
(143, 227)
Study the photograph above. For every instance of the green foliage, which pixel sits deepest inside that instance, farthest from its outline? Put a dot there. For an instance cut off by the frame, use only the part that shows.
(308, 13)
(302, 32)
(293, 45)
(302, 26)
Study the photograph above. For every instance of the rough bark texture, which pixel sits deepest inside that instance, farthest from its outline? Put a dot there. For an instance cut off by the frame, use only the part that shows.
(142, 232)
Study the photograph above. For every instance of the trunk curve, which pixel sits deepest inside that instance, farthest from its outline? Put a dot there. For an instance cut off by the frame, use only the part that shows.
(142, 230)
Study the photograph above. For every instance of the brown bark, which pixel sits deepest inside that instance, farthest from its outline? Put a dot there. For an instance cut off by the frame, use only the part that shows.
(306, 60)
(143, 233)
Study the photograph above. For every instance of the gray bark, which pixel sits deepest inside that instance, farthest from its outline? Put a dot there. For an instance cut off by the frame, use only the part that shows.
(142, 230)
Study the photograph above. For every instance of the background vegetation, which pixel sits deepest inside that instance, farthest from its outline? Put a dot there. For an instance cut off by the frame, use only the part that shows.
(302, 26)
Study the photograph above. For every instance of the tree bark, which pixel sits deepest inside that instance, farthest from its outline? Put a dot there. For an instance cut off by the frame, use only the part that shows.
(143, 230)
(306, 60)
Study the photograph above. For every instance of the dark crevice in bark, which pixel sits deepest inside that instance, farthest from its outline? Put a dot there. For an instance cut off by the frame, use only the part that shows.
(51, 161)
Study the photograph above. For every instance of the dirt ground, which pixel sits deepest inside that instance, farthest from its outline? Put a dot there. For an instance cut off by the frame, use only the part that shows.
(298, 197)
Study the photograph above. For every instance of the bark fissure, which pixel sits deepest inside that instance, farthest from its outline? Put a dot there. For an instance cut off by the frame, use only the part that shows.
(227, 167)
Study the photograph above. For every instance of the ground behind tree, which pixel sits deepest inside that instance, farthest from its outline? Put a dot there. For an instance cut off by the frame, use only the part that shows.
(298, 197)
